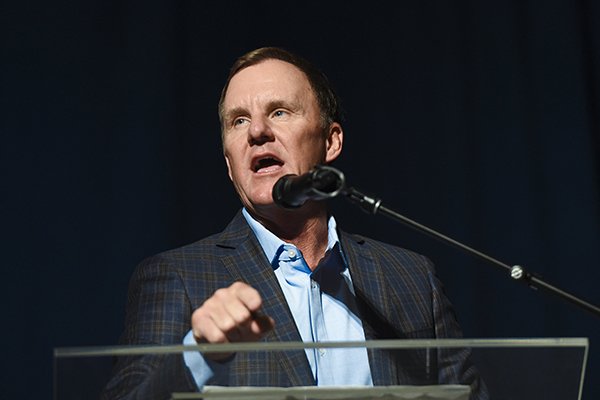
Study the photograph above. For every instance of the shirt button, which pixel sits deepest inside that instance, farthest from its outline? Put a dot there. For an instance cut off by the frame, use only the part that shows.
(292, 253)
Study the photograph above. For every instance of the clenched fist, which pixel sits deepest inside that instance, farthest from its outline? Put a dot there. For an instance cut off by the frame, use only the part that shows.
(231, 315)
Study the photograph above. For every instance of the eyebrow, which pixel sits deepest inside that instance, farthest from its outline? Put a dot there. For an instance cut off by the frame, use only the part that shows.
(271, 105)
(234, 112)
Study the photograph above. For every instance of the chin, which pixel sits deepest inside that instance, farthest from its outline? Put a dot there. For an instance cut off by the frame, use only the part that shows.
(261, 201)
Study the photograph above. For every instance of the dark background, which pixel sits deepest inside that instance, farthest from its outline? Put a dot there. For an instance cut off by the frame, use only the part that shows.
(478, 119)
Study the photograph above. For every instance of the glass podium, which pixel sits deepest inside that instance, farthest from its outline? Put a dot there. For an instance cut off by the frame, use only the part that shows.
(511, 369)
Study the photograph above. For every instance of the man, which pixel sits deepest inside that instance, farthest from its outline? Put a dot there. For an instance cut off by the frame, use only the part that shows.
(277, 274)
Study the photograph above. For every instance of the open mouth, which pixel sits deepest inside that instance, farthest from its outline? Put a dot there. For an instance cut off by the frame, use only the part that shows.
(266, 164)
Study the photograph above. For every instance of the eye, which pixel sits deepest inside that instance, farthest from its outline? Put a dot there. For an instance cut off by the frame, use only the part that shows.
(280, 113)
(239, 121)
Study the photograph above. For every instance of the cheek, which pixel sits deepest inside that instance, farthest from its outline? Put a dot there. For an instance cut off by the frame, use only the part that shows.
(313, 148)
(235, 171)
(233, 157)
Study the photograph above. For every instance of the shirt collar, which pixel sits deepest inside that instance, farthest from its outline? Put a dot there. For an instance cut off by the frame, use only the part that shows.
(271, 243)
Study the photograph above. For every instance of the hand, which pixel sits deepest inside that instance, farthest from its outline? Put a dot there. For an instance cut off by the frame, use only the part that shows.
(230, 315)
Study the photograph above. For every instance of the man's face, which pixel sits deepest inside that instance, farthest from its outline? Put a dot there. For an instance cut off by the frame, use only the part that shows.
(272, 127)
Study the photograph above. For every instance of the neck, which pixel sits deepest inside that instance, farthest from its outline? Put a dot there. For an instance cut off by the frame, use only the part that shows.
(305, 227)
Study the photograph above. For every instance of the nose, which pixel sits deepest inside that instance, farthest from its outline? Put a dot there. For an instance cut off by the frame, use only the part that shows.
(259, 131)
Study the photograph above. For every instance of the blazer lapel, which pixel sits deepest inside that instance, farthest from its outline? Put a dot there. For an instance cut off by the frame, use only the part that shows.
(246, 262)
(372, 296)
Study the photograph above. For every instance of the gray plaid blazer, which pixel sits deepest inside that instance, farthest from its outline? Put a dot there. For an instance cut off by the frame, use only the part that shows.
(397, 292)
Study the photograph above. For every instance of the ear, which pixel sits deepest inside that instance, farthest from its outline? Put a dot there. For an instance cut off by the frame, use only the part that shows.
(334, 142)
(228, 167)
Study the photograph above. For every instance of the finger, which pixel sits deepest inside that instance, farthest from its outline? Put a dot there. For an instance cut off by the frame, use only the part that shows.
(256, 328)
(204, 328)
(247, 295)
(227, 310)
(261, 324)
(248, 326)
(210, 333)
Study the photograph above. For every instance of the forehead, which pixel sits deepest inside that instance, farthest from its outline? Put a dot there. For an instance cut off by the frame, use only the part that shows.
(269, 78)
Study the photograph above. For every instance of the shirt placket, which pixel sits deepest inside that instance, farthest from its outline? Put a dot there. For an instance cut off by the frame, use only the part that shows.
(297, 273)
(324, 370)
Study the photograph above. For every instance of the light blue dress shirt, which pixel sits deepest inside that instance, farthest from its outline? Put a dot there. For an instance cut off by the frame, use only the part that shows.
(323, 306)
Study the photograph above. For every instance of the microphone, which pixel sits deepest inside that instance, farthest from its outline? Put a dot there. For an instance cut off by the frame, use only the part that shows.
(320, 183)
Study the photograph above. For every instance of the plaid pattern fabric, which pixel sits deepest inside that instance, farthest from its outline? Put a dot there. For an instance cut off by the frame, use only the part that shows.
(400, 297)
(397, 291)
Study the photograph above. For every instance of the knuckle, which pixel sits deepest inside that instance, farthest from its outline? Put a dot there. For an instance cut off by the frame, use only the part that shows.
(228, 325)
(218, 336)
(220, 293)
(212, 334)
(237, 286)
(242, 315)
(199, 314)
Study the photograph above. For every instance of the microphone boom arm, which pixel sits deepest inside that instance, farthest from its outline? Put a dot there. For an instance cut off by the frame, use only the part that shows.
(518, 273)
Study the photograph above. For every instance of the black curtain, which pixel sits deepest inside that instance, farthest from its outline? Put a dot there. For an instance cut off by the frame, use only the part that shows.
(479, 119)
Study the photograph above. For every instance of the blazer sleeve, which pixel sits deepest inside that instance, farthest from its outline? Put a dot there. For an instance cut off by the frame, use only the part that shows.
(158, 313)
(454, 364)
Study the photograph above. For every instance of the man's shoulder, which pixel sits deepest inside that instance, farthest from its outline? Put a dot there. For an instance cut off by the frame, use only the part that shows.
(205, 247)
(206, 250)
(384, 252)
